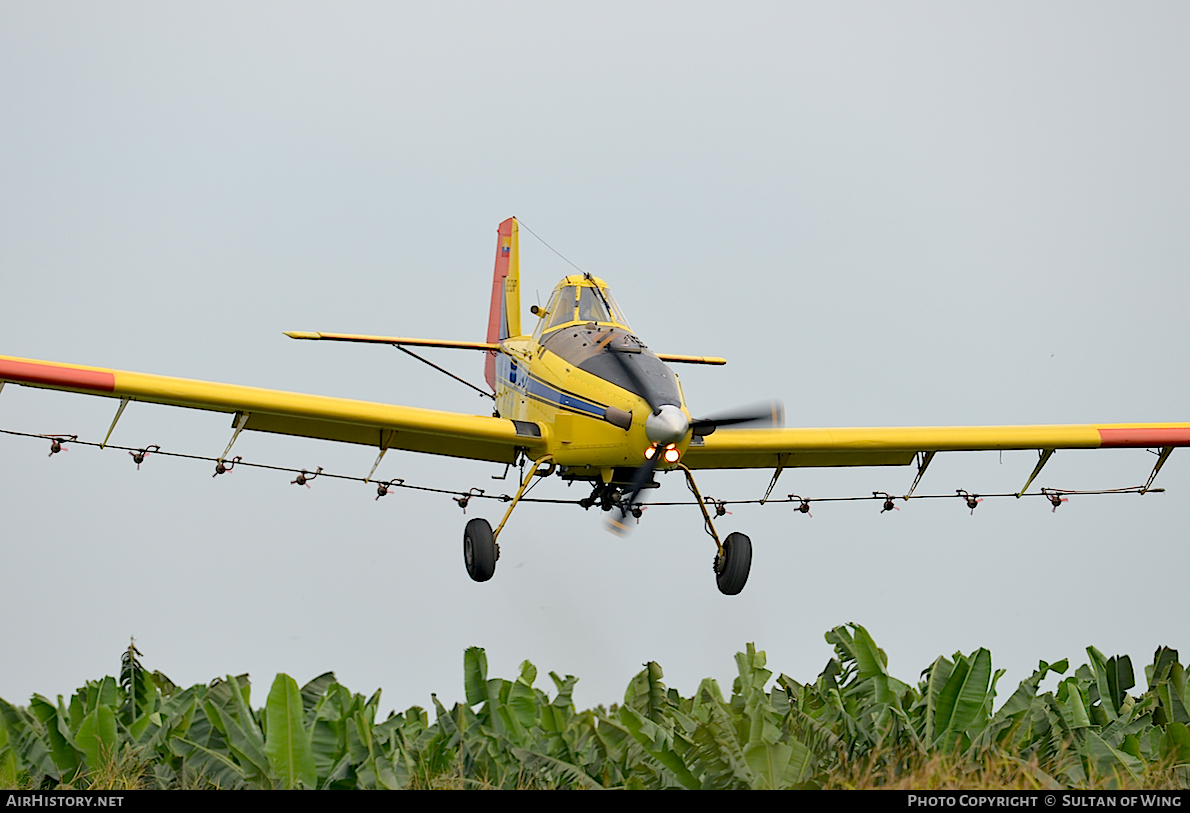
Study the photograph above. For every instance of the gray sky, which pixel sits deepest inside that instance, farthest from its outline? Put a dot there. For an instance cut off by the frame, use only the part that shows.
(883, 214)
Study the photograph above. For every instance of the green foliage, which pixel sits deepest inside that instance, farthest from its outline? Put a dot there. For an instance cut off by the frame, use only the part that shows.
(287, 745)
(855, 725)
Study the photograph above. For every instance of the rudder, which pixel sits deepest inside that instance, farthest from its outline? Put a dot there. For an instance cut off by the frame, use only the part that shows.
(504, 317)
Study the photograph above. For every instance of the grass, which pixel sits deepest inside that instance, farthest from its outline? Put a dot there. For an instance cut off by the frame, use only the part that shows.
(992, 772)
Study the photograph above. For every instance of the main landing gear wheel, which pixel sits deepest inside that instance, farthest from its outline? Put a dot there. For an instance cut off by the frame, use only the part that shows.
(731, 568)
(480, 550)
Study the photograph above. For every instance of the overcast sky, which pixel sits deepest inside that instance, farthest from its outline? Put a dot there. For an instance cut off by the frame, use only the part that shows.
(883, 214)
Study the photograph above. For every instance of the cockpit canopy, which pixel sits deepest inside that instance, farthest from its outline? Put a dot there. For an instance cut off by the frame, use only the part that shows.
(583, 299)
(583, 325)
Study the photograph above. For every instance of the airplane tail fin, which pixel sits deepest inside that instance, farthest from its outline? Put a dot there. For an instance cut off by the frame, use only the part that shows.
(504, 318)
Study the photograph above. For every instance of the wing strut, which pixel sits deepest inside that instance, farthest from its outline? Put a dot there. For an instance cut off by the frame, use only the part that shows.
(123, 403)
(1045, 456)
(781, 458)
(1161, 458)
(242, 419)
(923, 461)
(386, 437)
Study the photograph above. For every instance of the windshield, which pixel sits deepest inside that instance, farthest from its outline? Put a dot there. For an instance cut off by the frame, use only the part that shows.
(591, 307)
(561, 309)
(597, 305)
(581, 303)
(617, 314)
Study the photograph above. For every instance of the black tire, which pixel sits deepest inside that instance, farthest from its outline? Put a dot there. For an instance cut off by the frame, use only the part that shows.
(479, 550)
(731, 569)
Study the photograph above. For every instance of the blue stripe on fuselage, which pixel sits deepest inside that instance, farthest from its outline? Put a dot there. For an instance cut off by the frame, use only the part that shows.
(535, 388)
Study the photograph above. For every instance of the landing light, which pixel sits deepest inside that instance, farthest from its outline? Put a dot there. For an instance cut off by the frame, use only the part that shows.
(670, 455)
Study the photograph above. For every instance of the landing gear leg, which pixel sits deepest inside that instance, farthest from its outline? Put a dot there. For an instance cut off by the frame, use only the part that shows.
(733, 559)
(480, 550)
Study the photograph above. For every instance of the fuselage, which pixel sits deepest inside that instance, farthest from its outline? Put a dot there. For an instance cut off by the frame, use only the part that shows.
(572, 375)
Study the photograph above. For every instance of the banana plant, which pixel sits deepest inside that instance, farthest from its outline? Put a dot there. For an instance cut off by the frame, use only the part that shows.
(768, 733)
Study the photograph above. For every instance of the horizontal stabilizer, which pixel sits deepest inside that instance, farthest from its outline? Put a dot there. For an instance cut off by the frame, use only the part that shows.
(396, 340)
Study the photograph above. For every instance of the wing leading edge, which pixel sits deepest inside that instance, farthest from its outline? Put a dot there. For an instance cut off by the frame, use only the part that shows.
(896, 446)
(378, 425)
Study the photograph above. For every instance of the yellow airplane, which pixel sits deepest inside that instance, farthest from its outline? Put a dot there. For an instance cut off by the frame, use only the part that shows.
(586, 399)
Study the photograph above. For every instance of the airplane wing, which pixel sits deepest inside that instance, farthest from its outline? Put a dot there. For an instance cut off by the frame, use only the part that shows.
(898, 446)
(383, 426)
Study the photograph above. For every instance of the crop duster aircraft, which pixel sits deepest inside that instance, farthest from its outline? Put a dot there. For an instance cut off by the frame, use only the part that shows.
(581, 396)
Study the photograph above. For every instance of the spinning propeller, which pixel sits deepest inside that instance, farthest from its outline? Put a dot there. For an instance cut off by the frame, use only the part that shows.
(666, 425)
